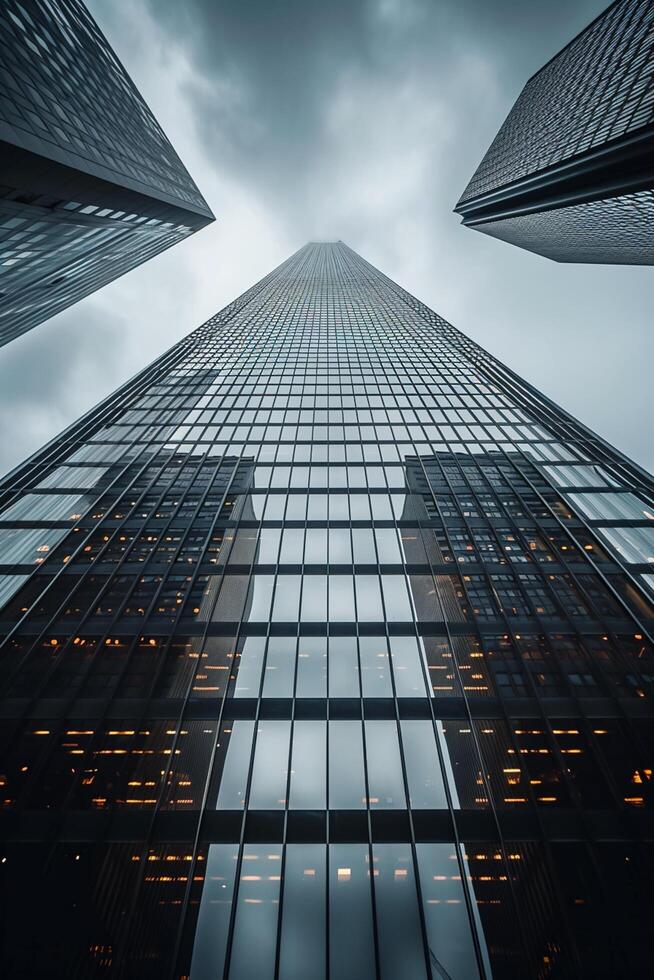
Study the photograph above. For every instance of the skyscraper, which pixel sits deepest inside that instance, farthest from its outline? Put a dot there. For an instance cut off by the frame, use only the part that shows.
(570, 173)
(90, 187)
(327, 653)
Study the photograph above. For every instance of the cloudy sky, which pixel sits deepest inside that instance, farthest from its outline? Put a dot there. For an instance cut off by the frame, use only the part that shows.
(352, 119)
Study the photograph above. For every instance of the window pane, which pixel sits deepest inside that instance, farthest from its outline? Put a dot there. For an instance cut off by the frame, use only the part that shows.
(28, 546)
(302, 946)
(401, 948)
(270, 768)
(309, 766)
(385, 784)
(210, 942)
(635, 544)
(346, 781)
(364, 546)
(287, 599)
(407, 667)
(396, 599)
(268, 547)
(259, 596)
(314, 599)
(340, 548)
(257, 904)
(351, 944)
(280, 667)
(426, 789)
(369, 605)
(341, 599)
(316, 545)
(52, 507)
(375, 672)
(612, 506)
(311, 678)
(250, 662)
(292, 549)
(388, 549)
(317, 509)
(233, 782)
(451, 944)
(343, 667)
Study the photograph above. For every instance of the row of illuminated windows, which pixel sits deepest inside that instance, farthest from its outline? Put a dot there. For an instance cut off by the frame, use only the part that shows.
(342, 598)
(321, 545)
(351, 911)
(386, 764)
(300, 907)
(342, 764)
(339, 667)
(336, 545)
(270, 546)
(342, 667)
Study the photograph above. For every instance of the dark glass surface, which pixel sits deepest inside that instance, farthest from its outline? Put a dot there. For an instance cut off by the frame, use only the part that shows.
(569, 174)
(90, 186)
(326, 654)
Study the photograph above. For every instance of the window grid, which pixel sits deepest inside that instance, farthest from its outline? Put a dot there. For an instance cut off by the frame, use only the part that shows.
(328, 515)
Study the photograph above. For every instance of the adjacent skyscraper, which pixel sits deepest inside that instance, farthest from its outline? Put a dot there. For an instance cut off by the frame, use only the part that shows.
(327, 654)
(570, 174)
(90, 187)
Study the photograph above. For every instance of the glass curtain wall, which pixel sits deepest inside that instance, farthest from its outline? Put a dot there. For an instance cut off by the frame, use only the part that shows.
(326, 654)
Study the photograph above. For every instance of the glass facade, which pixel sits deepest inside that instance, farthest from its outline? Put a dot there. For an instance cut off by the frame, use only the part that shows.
(569, 174)
(327, 654)
(90, 186)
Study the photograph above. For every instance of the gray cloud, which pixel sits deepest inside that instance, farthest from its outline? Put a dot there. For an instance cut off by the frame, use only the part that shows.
(47, 386)
(360, 120)
(297, 98)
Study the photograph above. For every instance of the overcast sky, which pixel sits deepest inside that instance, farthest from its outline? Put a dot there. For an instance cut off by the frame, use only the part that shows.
(353, 119)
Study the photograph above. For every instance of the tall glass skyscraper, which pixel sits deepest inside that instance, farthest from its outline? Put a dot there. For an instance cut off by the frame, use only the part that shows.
(570, 173)
(327, 654)
(90, 186)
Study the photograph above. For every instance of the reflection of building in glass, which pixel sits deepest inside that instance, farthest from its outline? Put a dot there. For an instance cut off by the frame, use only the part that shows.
(570, 174)
(90, 187)
(327, 653)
